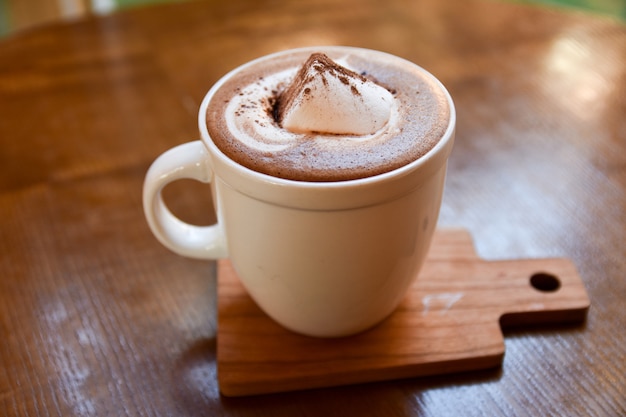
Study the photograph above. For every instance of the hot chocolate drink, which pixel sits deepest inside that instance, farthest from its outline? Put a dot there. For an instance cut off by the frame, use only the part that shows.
(328, 114)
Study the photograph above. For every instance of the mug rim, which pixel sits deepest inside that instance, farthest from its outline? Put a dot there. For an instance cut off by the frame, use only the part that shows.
(259, 177)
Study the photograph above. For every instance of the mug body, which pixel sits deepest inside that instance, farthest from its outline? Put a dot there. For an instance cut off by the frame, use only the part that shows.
(327, 258)
(329, 272)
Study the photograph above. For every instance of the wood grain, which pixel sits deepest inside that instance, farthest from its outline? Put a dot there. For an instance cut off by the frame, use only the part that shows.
(97, 318)
(449, 322)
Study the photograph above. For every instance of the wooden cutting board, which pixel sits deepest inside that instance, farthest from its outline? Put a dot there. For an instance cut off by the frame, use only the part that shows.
(449, 322)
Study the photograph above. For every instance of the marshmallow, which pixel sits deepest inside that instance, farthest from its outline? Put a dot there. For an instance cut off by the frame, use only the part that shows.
(327, 98)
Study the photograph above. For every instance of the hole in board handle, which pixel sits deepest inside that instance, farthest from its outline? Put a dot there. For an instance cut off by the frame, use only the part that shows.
(545, 282)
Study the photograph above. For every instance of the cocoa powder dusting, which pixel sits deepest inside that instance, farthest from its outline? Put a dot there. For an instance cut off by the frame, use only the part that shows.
(423, 116)
(324, 66)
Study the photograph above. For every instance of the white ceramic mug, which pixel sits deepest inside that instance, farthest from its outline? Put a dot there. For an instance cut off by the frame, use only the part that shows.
(323, 259)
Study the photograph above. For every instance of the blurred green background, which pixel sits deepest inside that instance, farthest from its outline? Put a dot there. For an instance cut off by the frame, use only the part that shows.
(612, 8)
(16, 15)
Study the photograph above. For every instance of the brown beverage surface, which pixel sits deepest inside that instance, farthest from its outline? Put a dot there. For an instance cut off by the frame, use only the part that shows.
(241, 119)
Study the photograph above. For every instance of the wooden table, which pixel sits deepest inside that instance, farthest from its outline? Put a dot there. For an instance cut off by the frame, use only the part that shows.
(97, 318)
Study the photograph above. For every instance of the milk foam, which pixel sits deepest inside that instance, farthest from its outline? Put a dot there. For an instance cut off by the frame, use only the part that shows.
(328, 98)
(250, 117)
(241, 119)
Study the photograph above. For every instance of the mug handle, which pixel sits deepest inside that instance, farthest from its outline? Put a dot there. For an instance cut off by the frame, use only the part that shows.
(189, 161)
